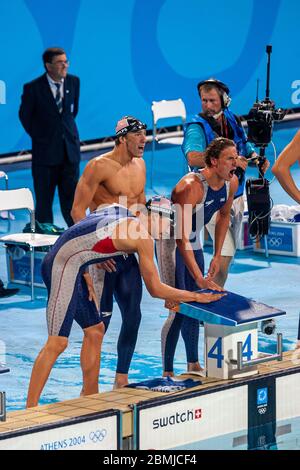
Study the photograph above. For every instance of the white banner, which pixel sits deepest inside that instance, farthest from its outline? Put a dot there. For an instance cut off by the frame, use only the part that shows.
(97, 434)
(288, 396)
(191, 420)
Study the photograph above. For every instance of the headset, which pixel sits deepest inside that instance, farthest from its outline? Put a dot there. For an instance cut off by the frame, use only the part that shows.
(225, 98)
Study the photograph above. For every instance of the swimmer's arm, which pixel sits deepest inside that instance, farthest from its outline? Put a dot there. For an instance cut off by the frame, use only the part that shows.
(91, 290)
(94, 174)
(158, 289)
(186, 194)
(282, 167)
(223, 218)
(142, 198)
(131, 236)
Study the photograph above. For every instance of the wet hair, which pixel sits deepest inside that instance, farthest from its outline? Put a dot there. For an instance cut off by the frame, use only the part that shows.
(214, 149)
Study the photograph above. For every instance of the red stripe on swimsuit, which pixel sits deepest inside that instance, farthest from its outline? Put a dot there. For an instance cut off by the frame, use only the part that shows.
(104, 246)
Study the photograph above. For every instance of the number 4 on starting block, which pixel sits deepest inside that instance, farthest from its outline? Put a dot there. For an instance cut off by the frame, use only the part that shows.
(221, 347)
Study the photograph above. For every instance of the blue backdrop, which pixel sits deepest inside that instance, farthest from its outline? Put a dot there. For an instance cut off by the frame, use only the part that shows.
(129, 53)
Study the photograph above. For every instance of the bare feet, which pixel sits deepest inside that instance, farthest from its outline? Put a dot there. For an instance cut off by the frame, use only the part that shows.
(168, 374)
(118, 385)
(121, 380)
(194, 367)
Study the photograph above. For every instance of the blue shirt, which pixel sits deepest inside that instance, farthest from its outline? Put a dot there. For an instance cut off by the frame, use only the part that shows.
(195, 141)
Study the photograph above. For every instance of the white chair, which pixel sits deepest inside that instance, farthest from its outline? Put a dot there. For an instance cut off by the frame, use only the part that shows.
(167, 109)
(14, 199)
(4, 175)
(6, 214)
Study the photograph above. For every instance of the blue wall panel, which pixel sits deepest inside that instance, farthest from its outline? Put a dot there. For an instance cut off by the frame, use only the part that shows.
(130, 53)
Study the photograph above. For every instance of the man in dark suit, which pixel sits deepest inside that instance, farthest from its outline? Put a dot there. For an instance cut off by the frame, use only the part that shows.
(48, 110)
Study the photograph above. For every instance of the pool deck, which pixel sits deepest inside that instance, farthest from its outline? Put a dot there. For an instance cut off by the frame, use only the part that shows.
(124, 399)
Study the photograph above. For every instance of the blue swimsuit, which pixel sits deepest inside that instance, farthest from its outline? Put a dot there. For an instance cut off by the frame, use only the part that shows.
(212, 201)
(86, 243)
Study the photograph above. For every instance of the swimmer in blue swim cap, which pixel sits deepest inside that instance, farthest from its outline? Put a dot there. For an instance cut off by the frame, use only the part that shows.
(109, 232)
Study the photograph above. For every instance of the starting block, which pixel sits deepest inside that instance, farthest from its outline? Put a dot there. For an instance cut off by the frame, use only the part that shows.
(230, 334)
(3, 370)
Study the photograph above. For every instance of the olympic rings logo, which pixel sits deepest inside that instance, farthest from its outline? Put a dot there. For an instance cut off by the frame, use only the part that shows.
(98, 435)
(24, 272)
(262, 410)
(275, 242)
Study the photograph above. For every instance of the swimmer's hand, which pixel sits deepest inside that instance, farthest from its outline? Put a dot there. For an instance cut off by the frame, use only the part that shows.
(108, 266)
(171, 305)
(91, 290)
(204, 298)
(208, 283)
(214, 268)
(207, 298)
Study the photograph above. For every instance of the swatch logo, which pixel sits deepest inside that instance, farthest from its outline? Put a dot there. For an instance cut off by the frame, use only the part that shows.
(177, 418)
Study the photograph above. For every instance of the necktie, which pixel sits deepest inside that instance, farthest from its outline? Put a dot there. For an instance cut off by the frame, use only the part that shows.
(58, 98)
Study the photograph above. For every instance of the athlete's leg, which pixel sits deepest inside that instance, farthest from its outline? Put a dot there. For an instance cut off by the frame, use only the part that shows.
(128, 294)
(165, 255)
(175, 323)
(61, 274)
(190, 326)
(169, 339)
(54, 346)
(222, 275)
(233, 234)
(90, 358)
(94, 327)
(59, 330)
(42, 367)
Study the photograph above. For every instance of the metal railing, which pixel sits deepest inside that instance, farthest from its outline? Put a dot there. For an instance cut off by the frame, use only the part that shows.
(259, 360)
(2, 406)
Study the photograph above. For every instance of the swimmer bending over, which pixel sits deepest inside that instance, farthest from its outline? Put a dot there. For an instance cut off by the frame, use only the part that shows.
(108, 232)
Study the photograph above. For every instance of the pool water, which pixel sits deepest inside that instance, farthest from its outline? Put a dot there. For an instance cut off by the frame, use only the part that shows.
(283, 435)
(23, 331)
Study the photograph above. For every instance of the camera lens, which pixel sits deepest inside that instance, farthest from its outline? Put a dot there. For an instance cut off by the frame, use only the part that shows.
(268, 326)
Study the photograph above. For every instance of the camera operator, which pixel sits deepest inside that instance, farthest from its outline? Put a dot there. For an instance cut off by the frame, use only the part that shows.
(282, 171)
(217, 121)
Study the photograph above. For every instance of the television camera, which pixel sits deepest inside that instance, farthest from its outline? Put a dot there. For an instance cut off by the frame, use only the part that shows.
(260, 121)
